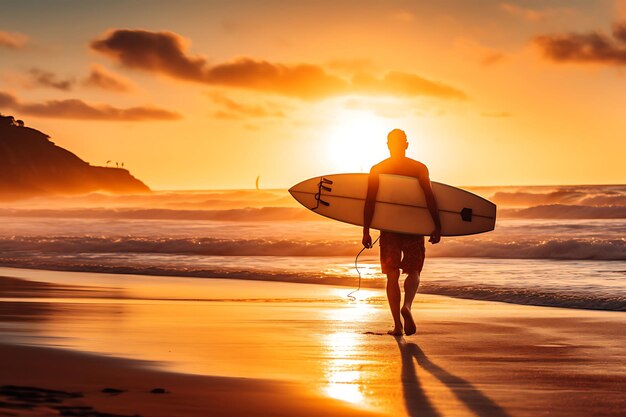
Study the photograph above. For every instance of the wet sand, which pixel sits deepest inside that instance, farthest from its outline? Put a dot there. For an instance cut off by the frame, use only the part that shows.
(232, 347)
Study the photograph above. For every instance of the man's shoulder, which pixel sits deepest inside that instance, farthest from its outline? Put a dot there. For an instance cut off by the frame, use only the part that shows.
(404, 164)
(416, 164)
(380, 165)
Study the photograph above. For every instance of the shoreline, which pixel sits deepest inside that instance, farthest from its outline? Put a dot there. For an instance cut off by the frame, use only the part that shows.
(547, 299)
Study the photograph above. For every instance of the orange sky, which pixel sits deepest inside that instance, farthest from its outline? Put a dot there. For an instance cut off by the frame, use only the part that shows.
(195, 95)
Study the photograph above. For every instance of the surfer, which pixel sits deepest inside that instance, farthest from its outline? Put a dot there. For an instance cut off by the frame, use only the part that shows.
(397, 250)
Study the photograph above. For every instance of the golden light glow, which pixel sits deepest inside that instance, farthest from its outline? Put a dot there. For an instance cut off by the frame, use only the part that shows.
(358, 141)
(342, 373)
(457, 94)
(346, 380)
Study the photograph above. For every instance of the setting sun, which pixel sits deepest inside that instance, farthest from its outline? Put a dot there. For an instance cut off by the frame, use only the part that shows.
(358, 141)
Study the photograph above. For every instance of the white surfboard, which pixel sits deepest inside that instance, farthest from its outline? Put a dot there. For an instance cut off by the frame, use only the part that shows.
(400, 204)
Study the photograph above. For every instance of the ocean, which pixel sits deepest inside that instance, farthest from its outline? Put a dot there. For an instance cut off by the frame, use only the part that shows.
(560, 246)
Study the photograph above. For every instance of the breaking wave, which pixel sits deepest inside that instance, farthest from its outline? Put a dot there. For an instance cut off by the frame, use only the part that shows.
(251, 214)
(592, 195)
(562, 211)
(247, 214)
(578, 249)
(531, 296)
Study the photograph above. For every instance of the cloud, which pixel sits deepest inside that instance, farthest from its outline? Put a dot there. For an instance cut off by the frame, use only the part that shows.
(12, 40)
(492, 58)
(525, 13)
(44, 78)
(470, 49)
(78, 109)
(235, 110)
(592, 47)
(166, 53)
(404, 84)
(619, 31)
(101, 77)
(302, 80)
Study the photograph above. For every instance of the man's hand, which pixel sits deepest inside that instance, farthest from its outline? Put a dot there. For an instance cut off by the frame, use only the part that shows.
(367, 239)
(435, 236)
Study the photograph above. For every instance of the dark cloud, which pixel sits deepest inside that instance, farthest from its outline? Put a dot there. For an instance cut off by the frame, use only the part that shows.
(619, 31)
(166, 53)
(7, 100)
(593, 47)
(12, 40)
(78, 109)
(48, 79)
(100, 77)
(303, 80)
(232, 109)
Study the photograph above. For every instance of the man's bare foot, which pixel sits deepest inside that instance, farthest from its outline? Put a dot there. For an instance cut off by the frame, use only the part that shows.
(409, 323)
(397, 331)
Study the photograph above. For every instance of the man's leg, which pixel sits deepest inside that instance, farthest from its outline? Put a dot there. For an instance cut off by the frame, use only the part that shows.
(411, 284)
(412, 263)
(394, 298)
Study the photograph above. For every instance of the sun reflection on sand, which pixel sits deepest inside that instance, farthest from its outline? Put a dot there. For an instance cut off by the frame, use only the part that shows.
(346, 380)
(343, 379)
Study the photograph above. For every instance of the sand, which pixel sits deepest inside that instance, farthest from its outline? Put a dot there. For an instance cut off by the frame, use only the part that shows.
(230, 347)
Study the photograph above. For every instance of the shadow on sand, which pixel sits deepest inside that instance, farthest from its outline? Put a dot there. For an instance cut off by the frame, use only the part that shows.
(415, 398)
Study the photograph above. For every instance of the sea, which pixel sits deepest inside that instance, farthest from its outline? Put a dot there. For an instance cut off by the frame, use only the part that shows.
(557, 246)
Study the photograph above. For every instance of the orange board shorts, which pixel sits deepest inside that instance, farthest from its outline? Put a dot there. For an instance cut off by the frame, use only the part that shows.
(401, 251)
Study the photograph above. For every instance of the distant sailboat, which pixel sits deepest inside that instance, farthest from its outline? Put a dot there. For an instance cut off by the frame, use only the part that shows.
(257, 182)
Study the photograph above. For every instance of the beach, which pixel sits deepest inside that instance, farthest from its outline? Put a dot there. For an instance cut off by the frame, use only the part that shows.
(239, 347)
(198, 200)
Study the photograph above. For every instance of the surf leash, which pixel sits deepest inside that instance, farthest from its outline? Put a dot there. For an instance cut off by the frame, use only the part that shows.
(356, 266)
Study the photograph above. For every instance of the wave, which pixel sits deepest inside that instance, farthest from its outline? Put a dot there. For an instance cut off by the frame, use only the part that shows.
(570, 249)
(246, 214)
(598, 195)
(525, 296)
(251, 214)
(562, 211)
(531, 296)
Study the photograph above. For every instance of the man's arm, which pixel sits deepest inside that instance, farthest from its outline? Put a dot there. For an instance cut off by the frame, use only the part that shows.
(431, 203)
(370, 205)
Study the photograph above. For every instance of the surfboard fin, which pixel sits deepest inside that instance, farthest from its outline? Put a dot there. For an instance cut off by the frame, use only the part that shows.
(466, 214)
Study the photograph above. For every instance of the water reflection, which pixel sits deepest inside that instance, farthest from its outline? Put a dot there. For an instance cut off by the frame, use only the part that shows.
(342, 373)
(343, 367)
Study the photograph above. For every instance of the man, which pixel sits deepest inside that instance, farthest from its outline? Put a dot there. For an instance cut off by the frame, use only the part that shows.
(399, 250)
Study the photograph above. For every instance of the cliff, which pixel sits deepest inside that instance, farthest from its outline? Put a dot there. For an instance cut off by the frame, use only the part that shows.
(30, 164)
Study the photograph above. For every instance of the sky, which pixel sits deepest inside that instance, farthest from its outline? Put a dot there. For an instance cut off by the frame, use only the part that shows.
(210, 95)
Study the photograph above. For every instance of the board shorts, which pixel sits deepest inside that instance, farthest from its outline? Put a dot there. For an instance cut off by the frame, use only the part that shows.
(401, 251)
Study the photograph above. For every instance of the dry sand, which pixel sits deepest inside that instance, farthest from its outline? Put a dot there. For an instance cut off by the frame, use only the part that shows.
(226, 347)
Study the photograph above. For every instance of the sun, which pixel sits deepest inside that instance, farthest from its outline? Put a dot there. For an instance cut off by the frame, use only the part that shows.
(358, 141)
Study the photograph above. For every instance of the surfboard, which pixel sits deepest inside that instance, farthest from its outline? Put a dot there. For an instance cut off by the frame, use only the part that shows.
(400, 204)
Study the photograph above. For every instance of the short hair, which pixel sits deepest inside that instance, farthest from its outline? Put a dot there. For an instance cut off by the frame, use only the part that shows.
(396, 135)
